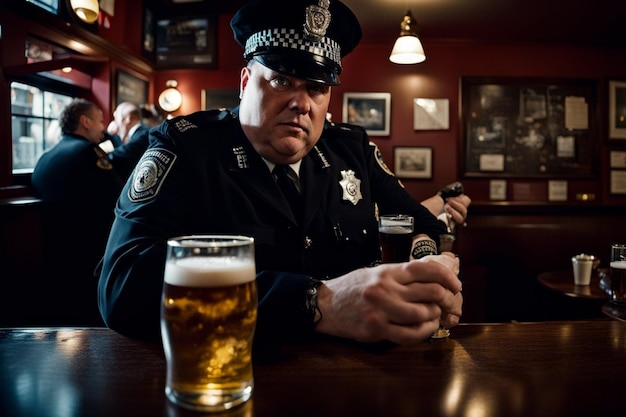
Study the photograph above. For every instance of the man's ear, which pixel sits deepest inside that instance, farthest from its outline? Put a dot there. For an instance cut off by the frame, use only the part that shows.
(243, 81)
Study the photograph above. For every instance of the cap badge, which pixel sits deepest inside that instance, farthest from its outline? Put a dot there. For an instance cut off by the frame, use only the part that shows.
(351, 186)
(317, 20)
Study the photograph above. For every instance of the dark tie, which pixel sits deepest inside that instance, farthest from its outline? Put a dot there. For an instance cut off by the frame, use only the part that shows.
(287, 180)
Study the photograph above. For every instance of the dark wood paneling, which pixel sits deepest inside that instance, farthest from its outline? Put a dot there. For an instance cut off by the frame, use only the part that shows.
(504, 249)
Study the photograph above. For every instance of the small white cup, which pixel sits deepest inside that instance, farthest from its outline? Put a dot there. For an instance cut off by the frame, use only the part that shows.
(582, 265)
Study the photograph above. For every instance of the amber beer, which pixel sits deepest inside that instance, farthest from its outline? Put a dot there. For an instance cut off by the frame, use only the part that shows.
(208, 317)
(396, 233)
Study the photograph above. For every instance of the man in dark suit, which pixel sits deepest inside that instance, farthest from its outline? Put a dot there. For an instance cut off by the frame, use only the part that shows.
(214, 172)
(134, 137)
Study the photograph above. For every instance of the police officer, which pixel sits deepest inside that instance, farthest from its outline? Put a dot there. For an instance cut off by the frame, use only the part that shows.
(77, 182)
(212, 172)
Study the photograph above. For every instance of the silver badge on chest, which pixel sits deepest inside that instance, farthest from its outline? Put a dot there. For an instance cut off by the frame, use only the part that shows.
(351, 186)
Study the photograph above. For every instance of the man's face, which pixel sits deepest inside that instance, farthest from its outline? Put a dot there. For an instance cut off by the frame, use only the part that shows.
(282, 116)
(93, 126)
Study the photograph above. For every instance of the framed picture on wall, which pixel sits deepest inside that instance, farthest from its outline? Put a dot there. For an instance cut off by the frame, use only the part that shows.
(369, 110)
(431, 114)
(130, 88)
(617, 109)
(219, 99)
(186, 42)
(413, 162)
(529, 127)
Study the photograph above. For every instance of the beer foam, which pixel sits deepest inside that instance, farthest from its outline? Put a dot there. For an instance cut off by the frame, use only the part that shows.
(618, 264)
(201, 271)
(395, 230)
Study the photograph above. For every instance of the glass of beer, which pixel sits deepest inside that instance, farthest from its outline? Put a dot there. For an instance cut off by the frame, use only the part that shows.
(208, 317)
(396, 234)
(618, 274)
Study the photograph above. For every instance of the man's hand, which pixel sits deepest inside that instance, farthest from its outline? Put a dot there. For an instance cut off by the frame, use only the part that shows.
(456, 208)
(403, 303)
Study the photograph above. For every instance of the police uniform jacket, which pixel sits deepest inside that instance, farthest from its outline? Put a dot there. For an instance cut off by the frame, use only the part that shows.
(125, 156)
(200, 174)
(79, 188)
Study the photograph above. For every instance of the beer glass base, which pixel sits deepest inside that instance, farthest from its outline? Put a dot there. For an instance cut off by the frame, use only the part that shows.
(210, 399)
(615, 310)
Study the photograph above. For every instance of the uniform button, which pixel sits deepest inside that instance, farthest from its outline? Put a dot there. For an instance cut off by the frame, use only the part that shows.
(307, 242)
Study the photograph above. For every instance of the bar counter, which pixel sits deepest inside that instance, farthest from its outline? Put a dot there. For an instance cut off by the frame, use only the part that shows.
(560, 368)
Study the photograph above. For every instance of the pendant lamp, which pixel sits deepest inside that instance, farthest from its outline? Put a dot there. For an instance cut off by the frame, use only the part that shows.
(408, 49)
(86, 10)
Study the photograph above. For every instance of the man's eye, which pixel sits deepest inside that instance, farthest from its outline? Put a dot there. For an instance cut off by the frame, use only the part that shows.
(318, 88)
(280, 81)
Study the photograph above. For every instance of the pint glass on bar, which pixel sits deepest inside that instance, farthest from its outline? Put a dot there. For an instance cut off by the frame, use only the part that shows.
(208, 317)
(396, 233)
(618, 274)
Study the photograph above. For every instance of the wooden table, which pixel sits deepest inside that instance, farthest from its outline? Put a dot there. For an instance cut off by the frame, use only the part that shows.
(563, 282)
(574, 368)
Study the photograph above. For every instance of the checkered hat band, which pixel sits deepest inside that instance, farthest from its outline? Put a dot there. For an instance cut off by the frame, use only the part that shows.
(289, 38)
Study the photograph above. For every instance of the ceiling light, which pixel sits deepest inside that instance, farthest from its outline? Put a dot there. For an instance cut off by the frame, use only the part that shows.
(86, 10)
(408, 48)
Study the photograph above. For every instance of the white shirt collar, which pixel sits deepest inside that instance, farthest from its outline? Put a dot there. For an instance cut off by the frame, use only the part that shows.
(295, 166)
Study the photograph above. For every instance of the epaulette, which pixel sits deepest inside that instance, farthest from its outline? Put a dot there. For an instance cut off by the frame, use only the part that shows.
(344, 130)
(199, 119)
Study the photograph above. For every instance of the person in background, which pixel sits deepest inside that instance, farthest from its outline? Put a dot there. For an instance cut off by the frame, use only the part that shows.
(150, 116)
(134, 138)
(76, 181)
(317, 263)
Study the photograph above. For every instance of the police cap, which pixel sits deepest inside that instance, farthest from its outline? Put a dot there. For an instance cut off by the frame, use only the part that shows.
(305, 39)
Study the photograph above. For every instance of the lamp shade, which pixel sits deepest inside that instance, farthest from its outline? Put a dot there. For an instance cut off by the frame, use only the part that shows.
(408, 48)
(86, 10)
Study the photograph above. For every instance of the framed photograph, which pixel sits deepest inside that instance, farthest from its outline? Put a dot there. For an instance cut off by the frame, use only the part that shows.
(369, 110)
(529, 128)
(219, 99)
(617, 109)
(186, 42)
(148, 42)
(130, 88)
(617, 159)
(618, 181)
(431, 114)
(413, 162)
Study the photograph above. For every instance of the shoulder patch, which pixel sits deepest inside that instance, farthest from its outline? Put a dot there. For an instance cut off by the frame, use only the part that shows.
(103, 161)
(379, 158)
(151, 170)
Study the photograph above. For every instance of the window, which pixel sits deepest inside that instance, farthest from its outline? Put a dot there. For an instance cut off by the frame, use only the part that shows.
(34, 123)
(49, 5)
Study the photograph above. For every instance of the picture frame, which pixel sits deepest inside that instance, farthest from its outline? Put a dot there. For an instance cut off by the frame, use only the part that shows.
(219, 99)
(186, 42)
(529, 128)
(148, 47)
(617, 109)
(371, 111)
(431, 114)
(618, 181)
(413, 162)
(130, 87)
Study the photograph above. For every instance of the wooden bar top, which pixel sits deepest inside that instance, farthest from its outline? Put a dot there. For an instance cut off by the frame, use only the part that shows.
(569, 368)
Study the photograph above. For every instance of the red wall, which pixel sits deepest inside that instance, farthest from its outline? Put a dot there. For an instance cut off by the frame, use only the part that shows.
(368, 69)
